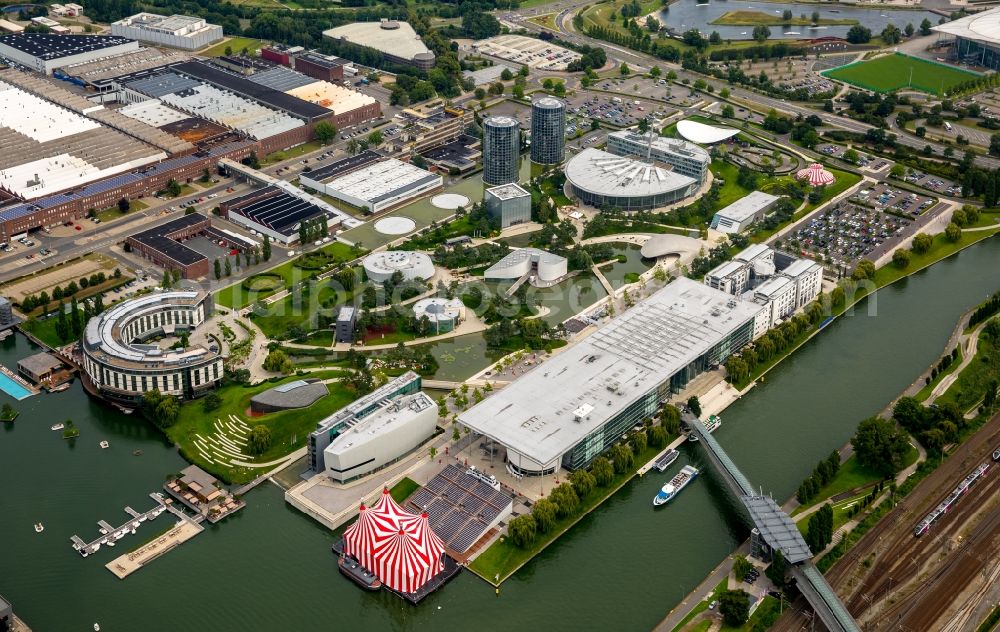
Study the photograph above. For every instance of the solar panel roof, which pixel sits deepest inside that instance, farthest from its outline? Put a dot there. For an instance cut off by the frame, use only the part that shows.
(49, 46)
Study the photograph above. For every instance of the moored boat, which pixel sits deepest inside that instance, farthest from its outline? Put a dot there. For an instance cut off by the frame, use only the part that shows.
(669, 491)
(58, 426)
(39, 527)
(662, 463)
(350, 568)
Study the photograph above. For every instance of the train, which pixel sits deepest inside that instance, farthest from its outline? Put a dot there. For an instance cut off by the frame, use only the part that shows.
(925, 525)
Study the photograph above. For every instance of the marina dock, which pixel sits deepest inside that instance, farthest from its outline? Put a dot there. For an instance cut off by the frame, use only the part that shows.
(113, 534)
(125, 565)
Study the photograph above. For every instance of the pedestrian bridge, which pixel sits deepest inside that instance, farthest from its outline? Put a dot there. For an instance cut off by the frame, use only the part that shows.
(779, 532)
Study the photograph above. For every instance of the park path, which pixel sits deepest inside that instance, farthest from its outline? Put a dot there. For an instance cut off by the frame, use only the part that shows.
(969, 342)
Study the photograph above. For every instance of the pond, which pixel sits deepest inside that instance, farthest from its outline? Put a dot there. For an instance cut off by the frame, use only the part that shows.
(690, 14)
(634, 264)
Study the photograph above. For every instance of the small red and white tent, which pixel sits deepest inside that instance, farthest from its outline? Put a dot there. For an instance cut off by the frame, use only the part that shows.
(397, 546)
(815, 175)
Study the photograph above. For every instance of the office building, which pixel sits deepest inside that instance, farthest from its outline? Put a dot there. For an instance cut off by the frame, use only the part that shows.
(548, 131)
(344, 327)
(163, 245)
(509, 204)
(574, 406)
(731, 277)
(380, 266)
(318, 66)
(682, 156)
(501, 150)
(176, 31)
(123, 361)
(442, 314)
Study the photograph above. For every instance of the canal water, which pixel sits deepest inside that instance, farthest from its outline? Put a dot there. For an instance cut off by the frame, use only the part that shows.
(269, 568)
(684, 15)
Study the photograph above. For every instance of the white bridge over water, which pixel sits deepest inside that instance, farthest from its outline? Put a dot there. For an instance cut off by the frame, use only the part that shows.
(779, 533)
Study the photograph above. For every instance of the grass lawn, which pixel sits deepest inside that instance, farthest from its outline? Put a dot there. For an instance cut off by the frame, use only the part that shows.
(528, 4)
(851, 475)
(112, 213)
(547, 21)
(892, 72)
(940, 249)
(402, 490)
(237, 43)
(289, 429)
(969, 387)
(762, 618)
(731, 190)
(294, 152)
(925, 392)
(701, 607)
(504, 557)
(755, 18)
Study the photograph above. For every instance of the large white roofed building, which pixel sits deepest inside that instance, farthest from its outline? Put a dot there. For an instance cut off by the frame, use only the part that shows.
(741, 214)
(545, 265)
(380, 266)
(704, 134)
(601, 179)
(396, 40)
(44, 52)
(977, 37)
(572, 407)
(683, 157)
(380, 185)
(177, 31)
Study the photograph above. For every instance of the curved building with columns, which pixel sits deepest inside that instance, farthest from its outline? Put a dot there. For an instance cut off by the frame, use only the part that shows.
(123, 360)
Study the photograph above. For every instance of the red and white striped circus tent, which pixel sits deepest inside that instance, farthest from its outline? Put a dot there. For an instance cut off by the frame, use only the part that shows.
(397, 546)
(815, 175)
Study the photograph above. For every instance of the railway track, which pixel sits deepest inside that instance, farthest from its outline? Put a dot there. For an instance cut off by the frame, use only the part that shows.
(886, 561)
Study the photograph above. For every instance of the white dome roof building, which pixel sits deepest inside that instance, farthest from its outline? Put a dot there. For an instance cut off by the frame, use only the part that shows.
(380, 266)
(704, 134)
(600, 178)
(443, 314)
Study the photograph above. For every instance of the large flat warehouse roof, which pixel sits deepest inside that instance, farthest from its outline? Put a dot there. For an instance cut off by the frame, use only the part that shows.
(382, 180)
(395, 38)
(48, 46)
(606, 372)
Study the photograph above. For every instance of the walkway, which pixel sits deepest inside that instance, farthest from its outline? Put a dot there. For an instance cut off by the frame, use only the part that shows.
(779, 532)
(969, 342)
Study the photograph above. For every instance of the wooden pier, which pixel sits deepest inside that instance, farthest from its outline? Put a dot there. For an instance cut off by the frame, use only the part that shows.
(113, 534)
(126, 564)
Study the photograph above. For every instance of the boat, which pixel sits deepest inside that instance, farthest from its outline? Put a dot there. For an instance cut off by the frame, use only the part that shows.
(105, 445)
(137, 452)
(673, 487)
(97, 627)
(110, 542)
(58, 426)
(792, 33)
(103, 531)
(39, 527)
(662, 463)
(713, 423)
(5, 334)
(59, 389)
(351, 569)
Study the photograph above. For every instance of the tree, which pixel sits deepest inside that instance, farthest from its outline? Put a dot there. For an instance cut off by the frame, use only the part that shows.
(622, 458)
(880, 446)
(545, 512)
(266, 251)
(864, 269)
(624, 70)
(160, 408)
(602, 470)
(694, 405)
(655, 72)
(819, 532)
(506, 75)
(325, 132)
(276, 361)
(922, 242)
(480, 94)
(211, 402)
(670, 417)
(786, 16)
(173, 188)
(901, 258)
(565, 499)
(909, 29)
(761, 33)
(583, 482)
(741, 566)
(777, 569)
(734, 605)
(259, 440)
(123, 205)
(658, 436)
(952, 232)
(375, 138)
(521, 530)
(858, 34)
(925, 27)
(228, 267)
(218, 269)
(891, 35)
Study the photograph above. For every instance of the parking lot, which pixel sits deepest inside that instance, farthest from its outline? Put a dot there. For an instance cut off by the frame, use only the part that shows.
(619, 111)
(934, 183)
(527, 51)
(885, 198)
(647, 88)
(846, 233)
(870, 163)
(788, 73)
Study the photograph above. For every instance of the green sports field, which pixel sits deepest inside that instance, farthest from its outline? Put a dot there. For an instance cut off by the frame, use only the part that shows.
(892, 72)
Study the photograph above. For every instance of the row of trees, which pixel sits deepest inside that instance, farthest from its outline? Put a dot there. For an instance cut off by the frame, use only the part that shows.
(740, 367)
(986, 310)
(819, 532)
(42, 299)
(823, 473)
(566, 499)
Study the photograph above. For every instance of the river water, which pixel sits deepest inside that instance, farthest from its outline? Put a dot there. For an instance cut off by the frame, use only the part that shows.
(269, 568)
(684, 15)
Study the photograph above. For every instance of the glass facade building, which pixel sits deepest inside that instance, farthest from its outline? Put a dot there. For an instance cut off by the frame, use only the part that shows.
(548, 131)
(501, 150)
